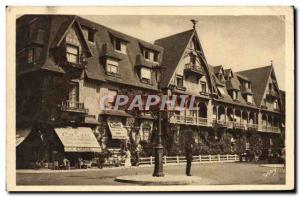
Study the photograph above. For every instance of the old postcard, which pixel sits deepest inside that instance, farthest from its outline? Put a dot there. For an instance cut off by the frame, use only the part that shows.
(150, 98)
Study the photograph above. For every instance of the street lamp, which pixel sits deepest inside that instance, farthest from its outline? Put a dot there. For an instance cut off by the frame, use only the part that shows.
(158, 165)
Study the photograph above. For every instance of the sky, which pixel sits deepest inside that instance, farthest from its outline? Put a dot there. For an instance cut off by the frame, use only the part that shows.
(237, 42)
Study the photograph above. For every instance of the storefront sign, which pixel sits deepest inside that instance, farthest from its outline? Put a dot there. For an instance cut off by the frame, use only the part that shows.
(117, 130)
(79, 139)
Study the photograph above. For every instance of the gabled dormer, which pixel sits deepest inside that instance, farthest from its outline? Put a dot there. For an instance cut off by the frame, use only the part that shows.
(219, 73)
(264, 86)
(118, 42)
(186, 66)
(71, 48)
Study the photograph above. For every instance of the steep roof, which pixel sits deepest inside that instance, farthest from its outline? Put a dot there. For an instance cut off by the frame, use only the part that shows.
(259, 79)
(174, 47)
(55, 28)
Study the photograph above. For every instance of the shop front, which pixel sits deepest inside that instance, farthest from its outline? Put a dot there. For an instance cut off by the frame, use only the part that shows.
(80, 146)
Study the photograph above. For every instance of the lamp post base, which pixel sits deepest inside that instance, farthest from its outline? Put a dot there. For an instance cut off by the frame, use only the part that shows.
(158, 168)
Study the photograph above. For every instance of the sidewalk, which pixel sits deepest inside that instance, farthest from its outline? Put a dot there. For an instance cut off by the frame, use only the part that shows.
(108, 168)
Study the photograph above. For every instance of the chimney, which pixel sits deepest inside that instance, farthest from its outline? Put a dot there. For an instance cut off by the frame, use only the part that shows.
(194, 23)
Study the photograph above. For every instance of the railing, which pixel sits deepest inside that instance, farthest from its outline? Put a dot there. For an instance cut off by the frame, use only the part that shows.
(191, 120)
(270, 129)
(193, 68)
(196, 159)
(73, 106)
(252, 126)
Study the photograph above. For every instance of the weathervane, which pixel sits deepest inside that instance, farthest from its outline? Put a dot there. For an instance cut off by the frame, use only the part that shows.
(271, 62)
(194, 23)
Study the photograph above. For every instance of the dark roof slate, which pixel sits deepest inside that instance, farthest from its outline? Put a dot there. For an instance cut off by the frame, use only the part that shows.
(259, 78)
(171, 56)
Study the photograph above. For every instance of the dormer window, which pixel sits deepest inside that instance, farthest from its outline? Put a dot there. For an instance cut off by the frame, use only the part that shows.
(234, 95)
(249, 98)
(247, 85)
(275, 104)
(112, 67)
(179, 81)
(89, 34)
(119, 45)
(146, 75)
(72, 53)
(150, 55)
(270, 87)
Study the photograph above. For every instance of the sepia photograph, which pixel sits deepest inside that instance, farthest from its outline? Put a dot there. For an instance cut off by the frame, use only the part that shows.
(150, 98)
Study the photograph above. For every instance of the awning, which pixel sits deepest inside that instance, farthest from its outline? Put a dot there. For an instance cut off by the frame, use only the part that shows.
(21, 135)
(120, 113)
(80, 139)
(117, 130)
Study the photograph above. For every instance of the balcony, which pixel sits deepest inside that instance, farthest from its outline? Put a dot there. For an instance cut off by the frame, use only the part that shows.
(192, 68)
(270, 129)
(73, 106)
(189, 120)
(252, 126)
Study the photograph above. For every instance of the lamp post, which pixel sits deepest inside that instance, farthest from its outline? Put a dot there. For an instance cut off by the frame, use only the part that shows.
(158, 165)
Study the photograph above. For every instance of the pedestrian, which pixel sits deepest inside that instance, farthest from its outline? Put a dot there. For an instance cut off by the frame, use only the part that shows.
(189, 158)
(127, 159)
(138, 151)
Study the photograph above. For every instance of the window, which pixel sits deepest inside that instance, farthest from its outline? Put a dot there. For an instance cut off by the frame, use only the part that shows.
(275, 104)
(113, 94)
(247, 85)
(119, 45)
(179, 81)
(192, 58)
(156, 57)
(30, 55)
(72, 53)
(146, 55)
(112, 67)
(88, 34)
(146, 75)
(234, 95)
(270, 86)
(221, 91)
(265, 102)
(203, 87)
(249, 98)
(73, 94)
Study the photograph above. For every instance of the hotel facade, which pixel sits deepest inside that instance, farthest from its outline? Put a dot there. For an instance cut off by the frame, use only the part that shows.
(65, 64)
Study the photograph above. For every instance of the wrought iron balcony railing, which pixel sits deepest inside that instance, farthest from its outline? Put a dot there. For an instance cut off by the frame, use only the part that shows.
(73, 106)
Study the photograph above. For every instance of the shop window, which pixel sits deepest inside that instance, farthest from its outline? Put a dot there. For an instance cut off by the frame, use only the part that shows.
(72, 53)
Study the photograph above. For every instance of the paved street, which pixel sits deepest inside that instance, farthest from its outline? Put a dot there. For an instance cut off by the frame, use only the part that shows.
(218, 173)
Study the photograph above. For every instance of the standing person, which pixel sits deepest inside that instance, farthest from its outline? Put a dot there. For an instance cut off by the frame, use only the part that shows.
(138, 151)
(189, 158)
(127, 159)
